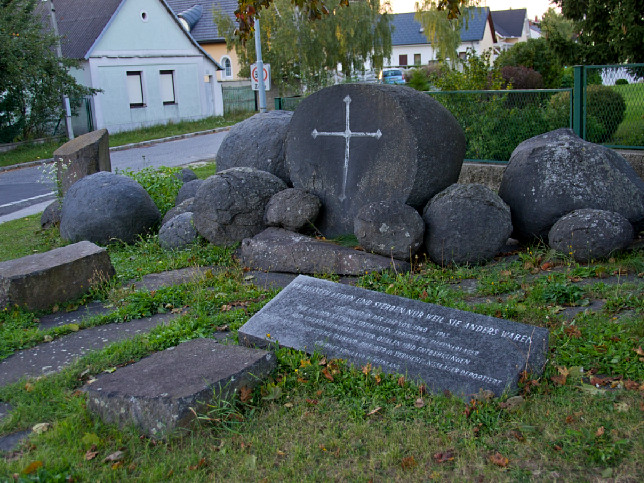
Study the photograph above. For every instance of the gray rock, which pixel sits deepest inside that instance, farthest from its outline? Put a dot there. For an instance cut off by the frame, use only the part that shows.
(466, 224)
(230, 205)
(104, 207)
(178, 233)
(183, 207)
(292, 209)
(280, 250)
(82, 156)
(389, 228)
(558, 172)
(186, 175)
(159, 393)
(354, 144)
(41, 280)
(257, 142)
(51, 216)
(587, 234)
(188, 190)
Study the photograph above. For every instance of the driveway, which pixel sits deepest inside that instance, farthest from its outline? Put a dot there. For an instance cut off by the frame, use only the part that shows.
(25, 191)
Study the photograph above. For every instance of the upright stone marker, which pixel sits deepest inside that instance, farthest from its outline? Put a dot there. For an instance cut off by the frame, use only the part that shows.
(354, 144)
(82, 156)
(446, 348)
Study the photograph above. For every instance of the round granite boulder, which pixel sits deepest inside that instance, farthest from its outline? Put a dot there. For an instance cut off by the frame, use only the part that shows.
(292, 209)
(104, 207)
(257, 142)
(355, 144)
(389, 228)
(178, 233)
(51, 215)
(466, 223)
(558, 172)
(229, 206)
(186, 175)
(586, 234)
(182, 207)
(188, 190)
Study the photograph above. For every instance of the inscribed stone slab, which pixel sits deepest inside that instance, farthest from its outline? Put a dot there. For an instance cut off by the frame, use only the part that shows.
(446, 348)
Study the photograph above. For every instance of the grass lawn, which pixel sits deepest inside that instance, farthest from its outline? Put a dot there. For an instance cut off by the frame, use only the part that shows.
(28, 153)
(319, 420)
(631, 130)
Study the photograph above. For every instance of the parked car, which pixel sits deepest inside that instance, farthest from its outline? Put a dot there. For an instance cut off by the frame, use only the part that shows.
(392, 76)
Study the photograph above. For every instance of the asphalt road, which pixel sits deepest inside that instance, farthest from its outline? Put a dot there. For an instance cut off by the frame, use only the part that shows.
(27, 191)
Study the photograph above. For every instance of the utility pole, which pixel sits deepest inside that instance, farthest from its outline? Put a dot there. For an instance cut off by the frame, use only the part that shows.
(59, 54)
(260, 68)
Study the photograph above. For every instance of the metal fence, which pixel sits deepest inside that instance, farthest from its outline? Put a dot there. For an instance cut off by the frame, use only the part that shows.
(238, 99)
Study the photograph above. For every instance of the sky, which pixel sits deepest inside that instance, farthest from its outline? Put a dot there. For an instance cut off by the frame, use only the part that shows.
(535, 7)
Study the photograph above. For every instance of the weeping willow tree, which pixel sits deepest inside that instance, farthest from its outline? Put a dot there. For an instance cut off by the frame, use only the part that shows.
(303, 54)
(444, 31)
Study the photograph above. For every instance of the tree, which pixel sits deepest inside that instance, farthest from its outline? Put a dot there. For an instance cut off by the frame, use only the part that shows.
(608, 32)
(32, 79)
(561, 35)
(317, 9)
(302, 53)
(535, 54)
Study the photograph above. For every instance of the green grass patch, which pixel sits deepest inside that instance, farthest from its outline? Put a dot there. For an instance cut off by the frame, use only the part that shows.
(631, 130)
(22, 237)
(34, 152)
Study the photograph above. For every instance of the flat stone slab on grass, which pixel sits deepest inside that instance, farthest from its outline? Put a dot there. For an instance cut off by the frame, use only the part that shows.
(447, 349)
(157, 393)
(155, 281)
(54, 356)
(280, 250)
(58, 319)
(41, 280)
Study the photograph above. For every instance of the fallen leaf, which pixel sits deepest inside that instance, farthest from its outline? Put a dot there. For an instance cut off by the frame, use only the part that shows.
(281, 453)
(117, 465)
(312, 402)
(600, 432)
(222, 328)
(366, 369)
(116, 456)
(631, 385)
(200, 464)
(29, 387)
(110, 370)
(512, 403)
(499, 460)
(47, 338)
(408, 463)
(377, 378)
(444, 456)
(518, 435)
(639, 351)
(41, 428)
(401, 381)
(374, 411)
(419, 403)
(590, 389)
(621, 407)
(322, 362)
(245, 394)
(327, 374)
(32, 467)
(249, 277)
(288, 405)
(573, 332)
(424, 294)
(546, 266)
(90, 455)
(557, 447)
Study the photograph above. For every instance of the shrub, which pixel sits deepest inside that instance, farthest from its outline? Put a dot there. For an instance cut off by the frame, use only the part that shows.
(161, 184)
(621, 82)
(418, 79)
(536, 54)
(520, 77)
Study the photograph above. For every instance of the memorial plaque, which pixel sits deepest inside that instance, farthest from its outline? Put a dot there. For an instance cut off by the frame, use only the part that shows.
(445, 348)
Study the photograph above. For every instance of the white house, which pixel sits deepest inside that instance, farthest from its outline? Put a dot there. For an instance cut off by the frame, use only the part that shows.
(411, 47)
(511, 26)
(150, 70)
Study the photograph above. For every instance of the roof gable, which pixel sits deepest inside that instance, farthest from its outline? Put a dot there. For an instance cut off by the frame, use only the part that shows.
(509, 23)
(205, 29)
(407, 30)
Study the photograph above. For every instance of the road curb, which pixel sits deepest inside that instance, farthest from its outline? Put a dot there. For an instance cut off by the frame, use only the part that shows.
(142, 144)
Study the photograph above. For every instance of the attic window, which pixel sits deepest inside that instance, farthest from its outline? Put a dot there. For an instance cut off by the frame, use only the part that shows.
(144, 16)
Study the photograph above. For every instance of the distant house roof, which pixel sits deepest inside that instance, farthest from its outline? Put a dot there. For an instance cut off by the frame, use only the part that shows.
(408, 30)
(509, 23)
(205, 30)
(82, 22)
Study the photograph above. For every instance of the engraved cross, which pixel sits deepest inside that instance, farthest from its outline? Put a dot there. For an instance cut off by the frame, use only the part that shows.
(347, 134)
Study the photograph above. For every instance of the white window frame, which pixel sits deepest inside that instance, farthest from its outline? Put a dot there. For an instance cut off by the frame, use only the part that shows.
(227, 73)
(134, 87)
(167, 90)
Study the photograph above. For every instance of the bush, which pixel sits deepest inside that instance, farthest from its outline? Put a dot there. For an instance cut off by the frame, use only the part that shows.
(520, 77)
(418, 79)
(535, 54)
(161, 184)
(621, 82)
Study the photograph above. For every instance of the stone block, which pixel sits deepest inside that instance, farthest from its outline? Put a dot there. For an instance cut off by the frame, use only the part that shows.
(82, 156)
(41, 280)
(159, 393)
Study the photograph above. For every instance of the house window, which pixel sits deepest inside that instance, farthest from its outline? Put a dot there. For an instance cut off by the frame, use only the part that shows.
(135, 88)
(167, 87)
(417, 59)
(402, 59)
(227, 73)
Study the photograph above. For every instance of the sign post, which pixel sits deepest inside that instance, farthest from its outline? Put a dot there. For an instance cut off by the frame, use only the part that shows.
(260, 69)
(254, 77)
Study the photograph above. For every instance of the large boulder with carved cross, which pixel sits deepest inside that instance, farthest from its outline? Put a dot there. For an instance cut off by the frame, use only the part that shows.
(355, 144)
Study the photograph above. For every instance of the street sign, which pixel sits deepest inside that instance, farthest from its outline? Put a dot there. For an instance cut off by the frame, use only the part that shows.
(254, 79)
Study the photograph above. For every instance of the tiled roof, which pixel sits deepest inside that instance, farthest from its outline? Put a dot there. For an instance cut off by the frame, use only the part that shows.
(80, 23)
(509, 23)
(407, 28)
(205, 29)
